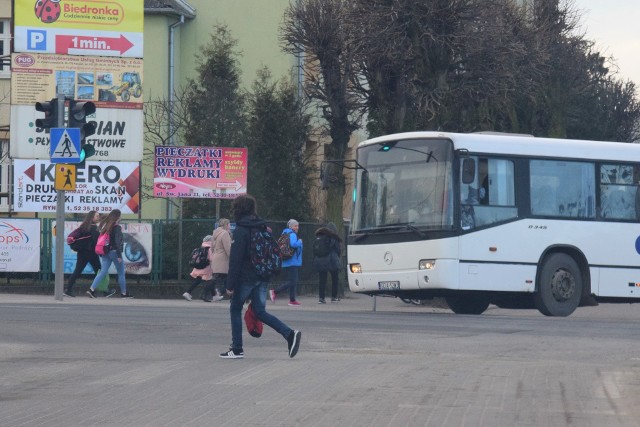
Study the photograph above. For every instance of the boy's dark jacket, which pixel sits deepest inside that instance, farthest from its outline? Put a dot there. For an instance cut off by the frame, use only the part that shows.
(240, 268)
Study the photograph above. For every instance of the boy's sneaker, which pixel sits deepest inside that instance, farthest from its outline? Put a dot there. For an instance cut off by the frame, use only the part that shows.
(68, 293)
(232, 354)
(294, 303)
(335, 299)
(217, 298)
(127, 295)
(272, 295)
(109, 293)
(294, 342)
(91, 293)
(187, 296)
(321, 301)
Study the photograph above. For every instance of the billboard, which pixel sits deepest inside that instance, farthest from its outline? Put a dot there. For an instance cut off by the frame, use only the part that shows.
(108, 82)
(19, 245)
(80, 27)
(137, 252)
(200, 172)
(100, 186)
(118, 137)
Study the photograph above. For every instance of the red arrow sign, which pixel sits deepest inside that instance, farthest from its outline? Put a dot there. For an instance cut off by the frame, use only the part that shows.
(64, 43)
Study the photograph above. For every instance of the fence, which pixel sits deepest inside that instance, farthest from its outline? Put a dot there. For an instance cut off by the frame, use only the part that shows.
(172, 243)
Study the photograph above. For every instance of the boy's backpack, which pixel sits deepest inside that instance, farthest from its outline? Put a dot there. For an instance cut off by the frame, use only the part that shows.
(322, 246)
(199, 257)
(102, 247)
(284, 243)
(264, 252)
(77, 241)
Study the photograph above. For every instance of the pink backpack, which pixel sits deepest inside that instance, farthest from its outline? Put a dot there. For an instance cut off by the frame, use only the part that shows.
(102, 247)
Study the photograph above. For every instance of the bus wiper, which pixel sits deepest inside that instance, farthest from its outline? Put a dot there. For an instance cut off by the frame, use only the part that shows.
(358, 237)
(415, 229)
(398, 226)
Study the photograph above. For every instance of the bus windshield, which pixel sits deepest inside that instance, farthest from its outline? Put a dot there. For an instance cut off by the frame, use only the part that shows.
(404, 184)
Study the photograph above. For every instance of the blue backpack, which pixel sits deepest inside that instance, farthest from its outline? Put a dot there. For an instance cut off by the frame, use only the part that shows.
(264, 253)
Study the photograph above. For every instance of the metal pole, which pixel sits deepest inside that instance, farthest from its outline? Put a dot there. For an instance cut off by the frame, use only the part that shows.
(59, 279)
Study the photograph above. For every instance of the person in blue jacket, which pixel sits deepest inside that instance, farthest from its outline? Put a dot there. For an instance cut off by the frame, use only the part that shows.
(290, 266)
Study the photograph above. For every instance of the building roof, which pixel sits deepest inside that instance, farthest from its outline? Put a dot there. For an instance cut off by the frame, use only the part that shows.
(169, 7)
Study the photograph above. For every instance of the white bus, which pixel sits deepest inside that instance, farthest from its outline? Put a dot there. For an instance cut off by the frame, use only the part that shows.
(502, 219)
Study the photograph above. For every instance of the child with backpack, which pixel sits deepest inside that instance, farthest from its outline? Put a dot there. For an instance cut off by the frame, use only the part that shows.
(326, 259)
(201, 263)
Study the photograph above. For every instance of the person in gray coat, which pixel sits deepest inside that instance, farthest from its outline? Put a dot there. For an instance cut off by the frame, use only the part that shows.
(326, 259)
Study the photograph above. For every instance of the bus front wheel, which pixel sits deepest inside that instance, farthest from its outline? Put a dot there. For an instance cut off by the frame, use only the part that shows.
(467, 304)
(560, 286)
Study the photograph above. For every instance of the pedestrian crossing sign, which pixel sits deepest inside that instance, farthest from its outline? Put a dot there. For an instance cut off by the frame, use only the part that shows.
(65, 145)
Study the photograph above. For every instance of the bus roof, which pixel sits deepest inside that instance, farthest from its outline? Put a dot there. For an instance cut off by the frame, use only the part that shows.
(524, 145)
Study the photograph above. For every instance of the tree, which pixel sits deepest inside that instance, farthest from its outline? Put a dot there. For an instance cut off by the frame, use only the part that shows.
(277, 132)
(316, 28)
(164, 123)
(451, 65)
(216, 107)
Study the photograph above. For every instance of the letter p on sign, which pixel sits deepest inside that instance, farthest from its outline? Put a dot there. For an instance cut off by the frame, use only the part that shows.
(37, 40)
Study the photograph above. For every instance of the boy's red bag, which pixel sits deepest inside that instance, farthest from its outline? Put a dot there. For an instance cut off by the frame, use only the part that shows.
(254, 325)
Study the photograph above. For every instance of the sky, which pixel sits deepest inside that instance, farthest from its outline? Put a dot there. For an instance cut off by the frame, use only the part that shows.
(613, 26)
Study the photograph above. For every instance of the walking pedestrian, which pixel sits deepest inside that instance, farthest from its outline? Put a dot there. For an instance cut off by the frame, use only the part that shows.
(290, 266)
(85, 245)
(243, 283)
(113, 254)
(200, 275)
(326, 259)
(220, 249)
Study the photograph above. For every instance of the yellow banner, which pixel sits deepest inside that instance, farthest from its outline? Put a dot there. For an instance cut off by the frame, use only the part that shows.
(99, 15)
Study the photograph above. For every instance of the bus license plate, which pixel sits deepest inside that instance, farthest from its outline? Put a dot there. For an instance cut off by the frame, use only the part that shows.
(389, 286)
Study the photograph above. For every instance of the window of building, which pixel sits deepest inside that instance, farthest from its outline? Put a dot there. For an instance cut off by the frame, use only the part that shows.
(4, 175)
(5, 48)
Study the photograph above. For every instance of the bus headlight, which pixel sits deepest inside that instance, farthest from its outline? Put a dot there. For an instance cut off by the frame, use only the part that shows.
(355, 268)
(427, 264)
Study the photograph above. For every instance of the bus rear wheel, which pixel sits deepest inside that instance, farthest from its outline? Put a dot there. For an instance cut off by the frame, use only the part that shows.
(559, 287)
(467, 303)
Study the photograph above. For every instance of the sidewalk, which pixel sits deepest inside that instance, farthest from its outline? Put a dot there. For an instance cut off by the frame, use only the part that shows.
(350, 302)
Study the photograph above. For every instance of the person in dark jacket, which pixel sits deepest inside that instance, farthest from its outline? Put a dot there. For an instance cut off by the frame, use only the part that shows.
(327, 239)
(111, 227)
(243, 283)
(86, 253)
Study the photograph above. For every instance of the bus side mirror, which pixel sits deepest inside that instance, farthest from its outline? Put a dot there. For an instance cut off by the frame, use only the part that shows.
(468, 171)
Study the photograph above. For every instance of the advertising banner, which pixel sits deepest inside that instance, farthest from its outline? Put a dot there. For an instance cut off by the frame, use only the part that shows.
(19, 245)
(200, 172)
(100, 186)
(136, 254)
(118, 137)
(108, 82)
(80, 27)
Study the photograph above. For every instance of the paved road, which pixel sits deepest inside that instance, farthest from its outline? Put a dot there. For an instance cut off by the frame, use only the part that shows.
(107, 362)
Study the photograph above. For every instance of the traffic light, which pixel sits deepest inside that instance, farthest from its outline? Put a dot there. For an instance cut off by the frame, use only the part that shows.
(78, 112)
(50, 110)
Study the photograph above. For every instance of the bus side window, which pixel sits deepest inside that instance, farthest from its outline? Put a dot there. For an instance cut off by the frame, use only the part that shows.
(619, 196)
